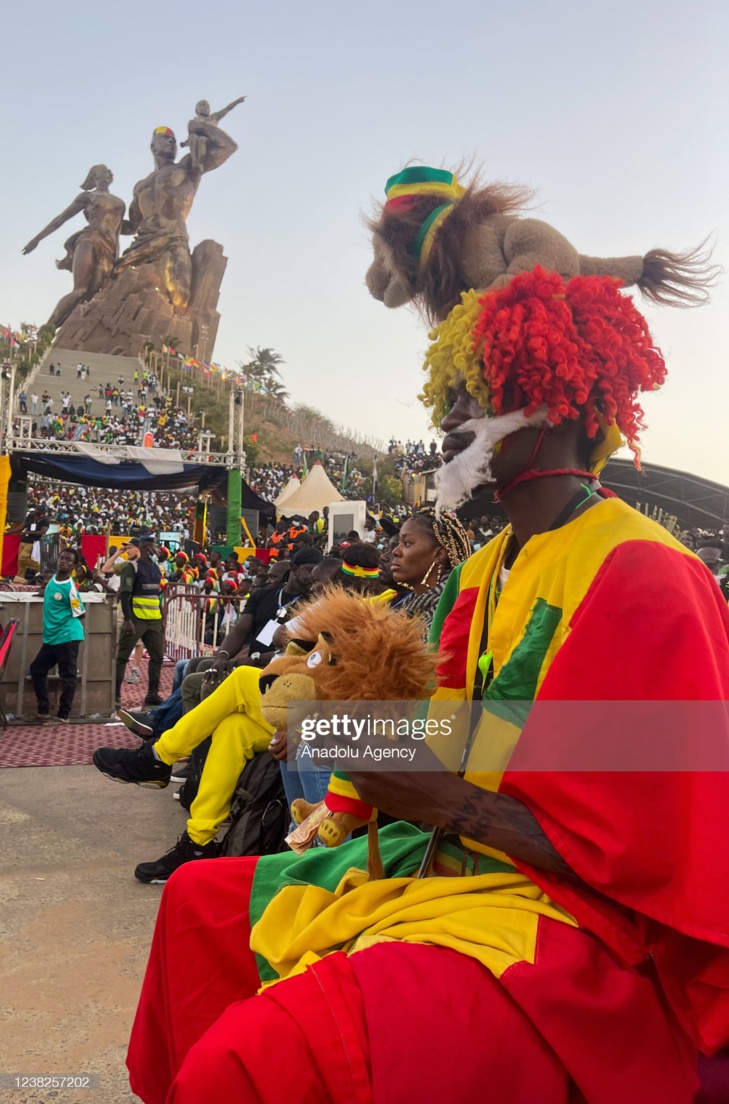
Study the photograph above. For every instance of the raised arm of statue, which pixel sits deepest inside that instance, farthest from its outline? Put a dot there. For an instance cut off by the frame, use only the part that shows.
(218, 115)
(73, 209)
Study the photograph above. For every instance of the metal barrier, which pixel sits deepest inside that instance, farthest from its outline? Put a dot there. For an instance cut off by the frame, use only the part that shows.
(188, 622)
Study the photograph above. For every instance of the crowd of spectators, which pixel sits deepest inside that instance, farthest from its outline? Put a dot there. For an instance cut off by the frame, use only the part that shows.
(110, 413)
(414, 456)
(78, 510)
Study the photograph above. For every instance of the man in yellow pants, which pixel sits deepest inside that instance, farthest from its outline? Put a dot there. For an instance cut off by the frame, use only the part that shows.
(232, 713)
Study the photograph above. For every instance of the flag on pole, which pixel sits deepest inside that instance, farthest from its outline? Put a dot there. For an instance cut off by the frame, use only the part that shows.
(344, 474)
(374, 476)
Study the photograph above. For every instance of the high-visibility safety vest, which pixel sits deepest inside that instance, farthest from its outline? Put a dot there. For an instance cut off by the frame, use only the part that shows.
(294, 532)
(276, 539)
(146, 592)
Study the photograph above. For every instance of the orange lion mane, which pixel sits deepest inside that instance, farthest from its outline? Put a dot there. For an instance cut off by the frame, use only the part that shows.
(370, 652)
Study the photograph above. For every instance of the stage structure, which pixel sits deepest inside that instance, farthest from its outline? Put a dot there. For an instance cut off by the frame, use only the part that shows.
(129, 467)
(156, 288)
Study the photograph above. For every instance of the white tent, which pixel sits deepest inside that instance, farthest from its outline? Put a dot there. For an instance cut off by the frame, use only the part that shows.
(316, 492)
(293, 485)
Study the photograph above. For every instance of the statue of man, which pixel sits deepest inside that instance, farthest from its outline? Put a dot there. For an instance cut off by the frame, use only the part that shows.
(161, 204)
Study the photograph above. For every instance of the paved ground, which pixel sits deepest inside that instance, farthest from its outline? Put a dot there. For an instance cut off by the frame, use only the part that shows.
(75, 925)
(56, 745)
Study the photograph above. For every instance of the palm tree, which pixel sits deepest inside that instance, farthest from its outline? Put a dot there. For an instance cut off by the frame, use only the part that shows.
(262, 366)
(278, 391)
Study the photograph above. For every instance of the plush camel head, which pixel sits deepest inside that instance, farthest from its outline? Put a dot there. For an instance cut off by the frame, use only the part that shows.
(429, 241)
(348, 649)
(383, 280)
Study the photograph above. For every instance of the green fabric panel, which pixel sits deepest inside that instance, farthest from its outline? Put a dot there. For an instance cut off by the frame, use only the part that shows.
(401, 845)
(402, 848)
(445, 604)
(235, 492)
(517, 680)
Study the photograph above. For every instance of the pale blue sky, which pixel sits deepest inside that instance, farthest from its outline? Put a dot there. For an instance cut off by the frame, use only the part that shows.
(616, 114)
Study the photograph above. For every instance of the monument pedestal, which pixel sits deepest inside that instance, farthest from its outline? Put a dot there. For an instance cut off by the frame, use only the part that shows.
(133, 309)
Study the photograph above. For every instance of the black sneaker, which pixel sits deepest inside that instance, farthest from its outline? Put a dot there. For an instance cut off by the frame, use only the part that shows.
(181, 773)
(152, 700)
(141, 724)
(184, 851)
(139, 767)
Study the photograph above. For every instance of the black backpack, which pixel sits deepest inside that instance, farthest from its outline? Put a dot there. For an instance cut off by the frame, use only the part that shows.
(259, 815)
(195, 764)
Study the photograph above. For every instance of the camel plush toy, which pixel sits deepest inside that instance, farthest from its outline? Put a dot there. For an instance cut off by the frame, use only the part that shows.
(434, 239)
(346, 649)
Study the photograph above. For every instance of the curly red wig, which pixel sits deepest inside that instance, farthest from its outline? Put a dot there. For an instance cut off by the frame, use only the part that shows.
(578, 347)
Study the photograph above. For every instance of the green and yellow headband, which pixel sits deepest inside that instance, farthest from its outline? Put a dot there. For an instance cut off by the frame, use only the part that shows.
(402, 191)
(360, 572)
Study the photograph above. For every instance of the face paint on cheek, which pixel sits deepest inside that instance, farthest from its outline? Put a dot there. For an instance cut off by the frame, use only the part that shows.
(467, 471)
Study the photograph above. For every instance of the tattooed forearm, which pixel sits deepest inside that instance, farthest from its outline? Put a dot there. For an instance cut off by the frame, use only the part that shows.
(507, 825)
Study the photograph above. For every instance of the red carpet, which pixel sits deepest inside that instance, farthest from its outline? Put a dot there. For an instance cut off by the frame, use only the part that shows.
(57, 745)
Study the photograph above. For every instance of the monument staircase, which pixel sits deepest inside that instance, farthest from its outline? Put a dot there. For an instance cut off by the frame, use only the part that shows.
(103, 367)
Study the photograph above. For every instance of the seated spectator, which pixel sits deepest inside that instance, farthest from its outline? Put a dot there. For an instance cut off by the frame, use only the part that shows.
(235, 739)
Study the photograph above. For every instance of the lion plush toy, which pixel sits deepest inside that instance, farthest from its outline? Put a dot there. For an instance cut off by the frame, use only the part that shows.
(346, 649)
(434, 239)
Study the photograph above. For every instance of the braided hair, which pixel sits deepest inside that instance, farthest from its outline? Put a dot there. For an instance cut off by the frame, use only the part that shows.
(447, 531)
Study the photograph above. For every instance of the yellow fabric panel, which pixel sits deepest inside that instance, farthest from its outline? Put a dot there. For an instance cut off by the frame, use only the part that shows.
(4, 484)
(491, 917)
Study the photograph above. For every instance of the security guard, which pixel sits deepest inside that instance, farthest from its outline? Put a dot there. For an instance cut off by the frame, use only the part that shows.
(279, 539)
(140, 592)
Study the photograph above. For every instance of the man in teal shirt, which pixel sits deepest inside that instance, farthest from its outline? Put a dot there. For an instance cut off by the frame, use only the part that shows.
(63, 612)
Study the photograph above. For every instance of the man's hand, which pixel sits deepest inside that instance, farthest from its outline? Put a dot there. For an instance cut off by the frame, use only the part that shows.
(280, 747)
(128, 627)
(218, 670)
(447, 801)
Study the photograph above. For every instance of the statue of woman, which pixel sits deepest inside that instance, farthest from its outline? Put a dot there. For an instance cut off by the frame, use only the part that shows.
(91, 252)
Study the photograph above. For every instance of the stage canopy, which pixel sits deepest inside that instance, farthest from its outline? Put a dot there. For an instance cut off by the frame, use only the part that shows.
(316, 492)
(293, 485)
(137, 469)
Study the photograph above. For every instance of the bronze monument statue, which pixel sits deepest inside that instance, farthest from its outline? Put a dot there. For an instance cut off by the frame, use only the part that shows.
(197, 132)
(161, 204)
(156, 287)
(91, 252)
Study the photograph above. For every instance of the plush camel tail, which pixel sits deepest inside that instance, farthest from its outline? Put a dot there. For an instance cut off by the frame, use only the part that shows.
(672, 279)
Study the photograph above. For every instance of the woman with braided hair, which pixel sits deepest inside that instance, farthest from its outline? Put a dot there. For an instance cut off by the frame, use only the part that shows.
(430, 546)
